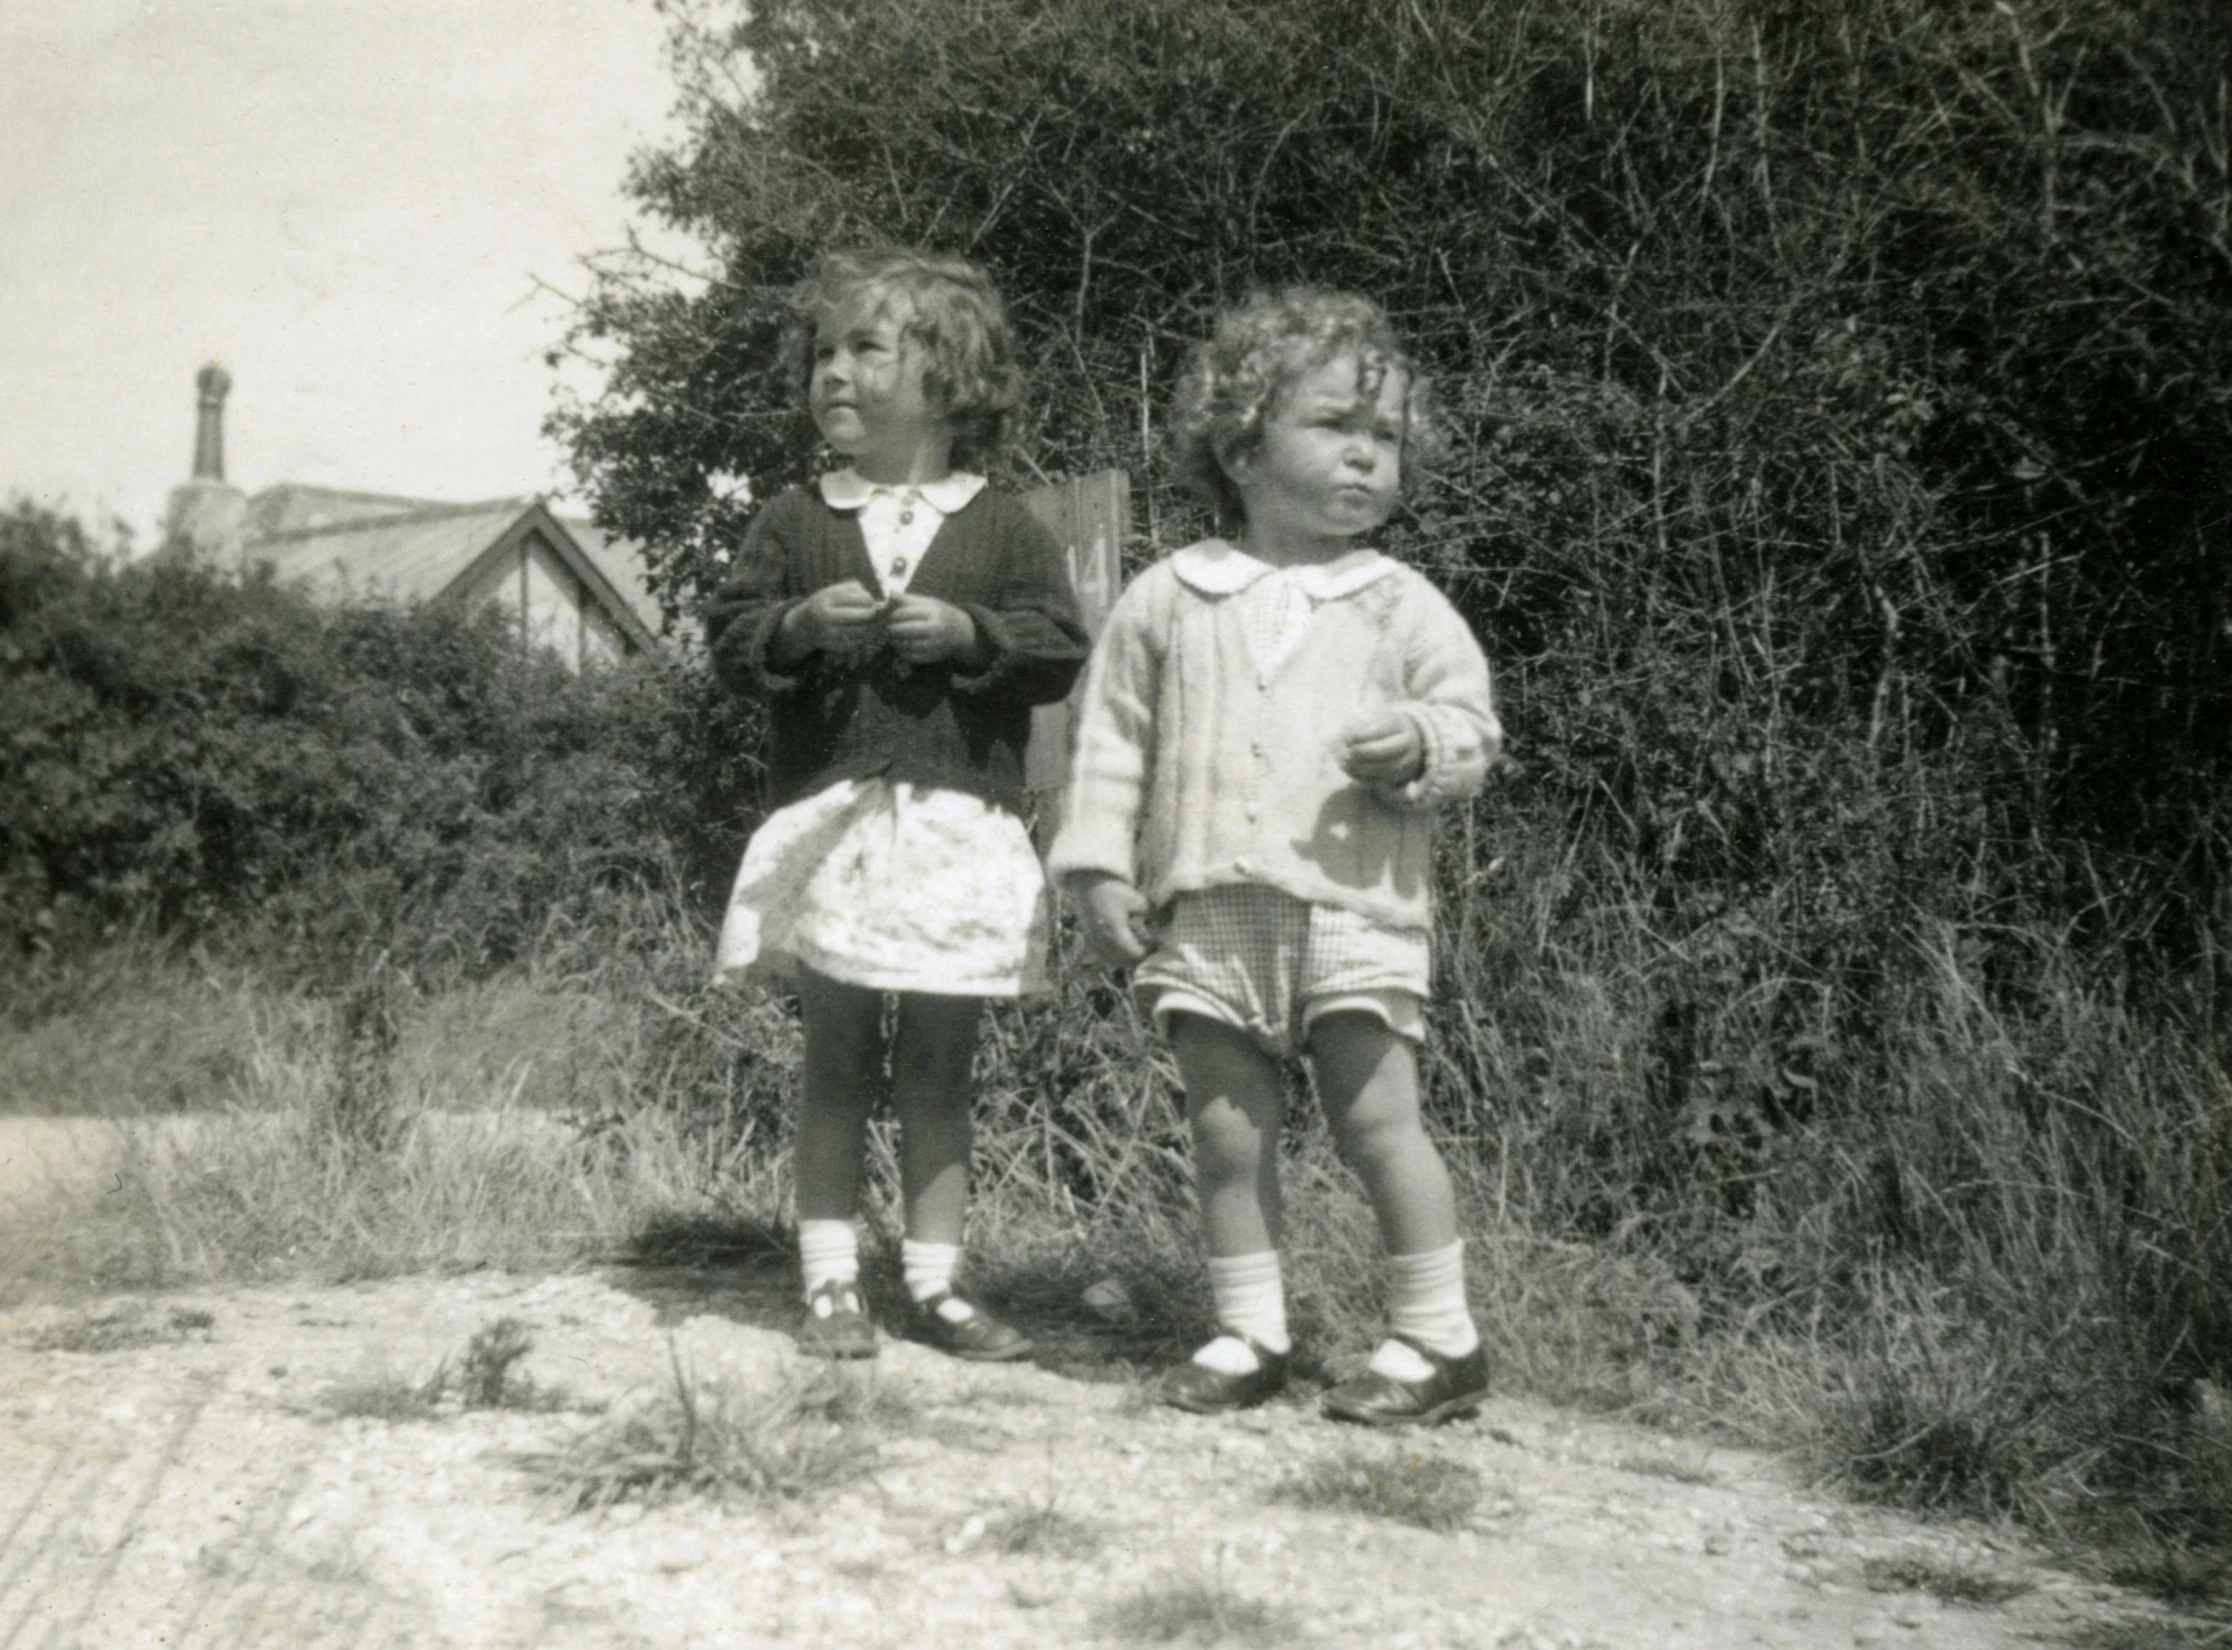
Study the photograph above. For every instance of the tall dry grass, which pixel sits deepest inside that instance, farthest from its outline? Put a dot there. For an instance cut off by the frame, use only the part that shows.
(1977, 1271)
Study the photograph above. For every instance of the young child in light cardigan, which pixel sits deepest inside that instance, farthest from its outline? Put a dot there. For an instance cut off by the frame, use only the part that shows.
(1269, 722)
(900, 620)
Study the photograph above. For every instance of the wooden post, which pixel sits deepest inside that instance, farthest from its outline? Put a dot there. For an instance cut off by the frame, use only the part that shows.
(1089, 517)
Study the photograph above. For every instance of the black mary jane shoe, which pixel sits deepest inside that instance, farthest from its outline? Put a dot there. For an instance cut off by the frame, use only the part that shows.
(1454, 1389)
(834, 1325)
(1204, 1391)
(980, 1337)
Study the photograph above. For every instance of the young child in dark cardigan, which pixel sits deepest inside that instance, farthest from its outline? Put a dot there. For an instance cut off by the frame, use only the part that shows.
(900, 620)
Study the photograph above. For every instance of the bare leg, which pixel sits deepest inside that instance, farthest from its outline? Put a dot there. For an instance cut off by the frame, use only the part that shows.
(1234, 1104)
(842, 1080)
(931, 1056)
(1367, 1080)
(1368, 1084)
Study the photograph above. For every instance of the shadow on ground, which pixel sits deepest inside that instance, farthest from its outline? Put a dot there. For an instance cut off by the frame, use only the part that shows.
(745, 1268)
(733, 1266)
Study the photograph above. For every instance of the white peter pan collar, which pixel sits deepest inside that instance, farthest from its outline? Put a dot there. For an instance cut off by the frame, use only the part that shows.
(1216, 568)
(848, 489)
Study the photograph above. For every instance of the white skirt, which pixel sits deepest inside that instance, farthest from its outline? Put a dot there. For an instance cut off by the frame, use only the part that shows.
(893, 888)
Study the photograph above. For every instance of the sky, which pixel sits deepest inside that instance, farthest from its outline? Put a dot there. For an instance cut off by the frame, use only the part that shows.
(353, 204)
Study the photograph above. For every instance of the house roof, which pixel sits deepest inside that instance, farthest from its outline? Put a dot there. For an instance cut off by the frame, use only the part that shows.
(291, 507)
(374, 544)
(621, 561)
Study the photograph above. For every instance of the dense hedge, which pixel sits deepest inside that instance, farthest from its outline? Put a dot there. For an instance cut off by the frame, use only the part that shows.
(187, 754)
(1844, 410)
(1844, 388)
(1843, 488)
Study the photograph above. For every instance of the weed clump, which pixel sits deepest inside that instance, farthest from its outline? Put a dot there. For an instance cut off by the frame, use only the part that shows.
(121, 1329)
(363, 1111)
(1944, 1579)
(806, 1433)
(387, 1397)
(1429, 1492)
(487, 1377)
(1040, 1528)
(1191, 1610)
(2176, 1573)
(1675, 1469)
(484, 1376)
(2148, 1633)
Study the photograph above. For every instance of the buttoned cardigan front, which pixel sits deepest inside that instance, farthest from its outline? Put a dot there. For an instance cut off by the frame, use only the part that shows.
(1199, 764)
(872, 713)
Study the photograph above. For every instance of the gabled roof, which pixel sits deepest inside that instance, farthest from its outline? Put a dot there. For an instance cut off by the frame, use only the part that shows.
(621, 561)
(411, 555)
(375, 545)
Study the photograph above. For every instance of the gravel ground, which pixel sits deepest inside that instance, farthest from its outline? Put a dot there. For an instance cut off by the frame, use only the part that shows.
(173, 1472)
(182, 1471)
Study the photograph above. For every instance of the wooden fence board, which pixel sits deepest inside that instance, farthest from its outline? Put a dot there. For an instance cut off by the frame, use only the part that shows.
(1089, 517)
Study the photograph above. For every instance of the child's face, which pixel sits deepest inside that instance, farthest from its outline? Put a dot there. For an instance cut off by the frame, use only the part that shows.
(1330, 462)
(865, 391)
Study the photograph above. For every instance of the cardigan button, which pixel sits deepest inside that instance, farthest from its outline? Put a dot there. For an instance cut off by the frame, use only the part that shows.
(906, 518)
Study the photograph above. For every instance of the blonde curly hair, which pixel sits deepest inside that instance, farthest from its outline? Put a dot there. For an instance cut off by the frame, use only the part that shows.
(948, 306)
(1238, 379)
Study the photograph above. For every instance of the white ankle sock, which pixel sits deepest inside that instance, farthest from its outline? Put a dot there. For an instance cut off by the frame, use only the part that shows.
(1251, 1299)
(928, 1269)
(1428, 1307)
(828, 1252)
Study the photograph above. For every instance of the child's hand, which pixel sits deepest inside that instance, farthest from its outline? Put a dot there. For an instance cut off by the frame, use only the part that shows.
(1381, 748)
(837, 618)
(925, 630)
(1115, 917)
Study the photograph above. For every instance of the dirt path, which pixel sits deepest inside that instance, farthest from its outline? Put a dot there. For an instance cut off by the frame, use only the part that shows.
(172, 1473)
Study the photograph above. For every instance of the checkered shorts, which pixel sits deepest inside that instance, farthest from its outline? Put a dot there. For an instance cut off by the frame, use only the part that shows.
(1272, 965)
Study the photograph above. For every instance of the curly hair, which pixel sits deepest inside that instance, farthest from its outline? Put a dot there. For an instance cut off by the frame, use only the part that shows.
(948, 306)
(1238, 379)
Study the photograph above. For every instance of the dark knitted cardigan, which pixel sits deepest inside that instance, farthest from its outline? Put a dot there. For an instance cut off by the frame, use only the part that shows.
(834, 718)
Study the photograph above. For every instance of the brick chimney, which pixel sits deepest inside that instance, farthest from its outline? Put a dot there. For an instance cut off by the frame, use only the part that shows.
(206, 514)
